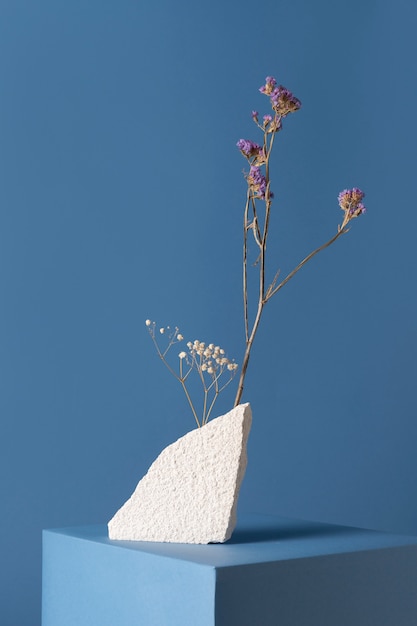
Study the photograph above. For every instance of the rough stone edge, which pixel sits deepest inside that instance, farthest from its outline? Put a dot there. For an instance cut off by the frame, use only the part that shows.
(242, 465)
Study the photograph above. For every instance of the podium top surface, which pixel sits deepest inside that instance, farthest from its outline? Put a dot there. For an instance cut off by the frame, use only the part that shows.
(257, 539)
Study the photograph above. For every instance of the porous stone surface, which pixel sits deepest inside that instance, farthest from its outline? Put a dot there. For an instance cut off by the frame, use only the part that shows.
(190, 492)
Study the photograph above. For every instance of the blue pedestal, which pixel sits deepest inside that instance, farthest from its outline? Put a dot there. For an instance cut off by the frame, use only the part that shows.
(273, 572)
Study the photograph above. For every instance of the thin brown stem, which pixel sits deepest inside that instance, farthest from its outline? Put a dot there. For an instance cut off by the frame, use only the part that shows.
(190, 401)
(182, 380)
(246, 356)
(272, 291)
(245, 265)
(261, 239)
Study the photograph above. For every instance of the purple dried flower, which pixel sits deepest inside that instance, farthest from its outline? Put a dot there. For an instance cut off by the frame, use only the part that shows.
(257, 182)
(276, 124)
(267, 119)
(268, 88)
(255, 115)
(350, 201)
(256, 174)
(283, 101)
(249, 148)
(350, 197)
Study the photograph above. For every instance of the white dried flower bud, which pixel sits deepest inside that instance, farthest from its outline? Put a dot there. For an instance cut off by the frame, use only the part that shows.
(211, 346)
(182, 355)
(189, 345)
(162, 330)
(148, 322)
(203, 367)
(180, 337)
(210, 370)
(221, 351)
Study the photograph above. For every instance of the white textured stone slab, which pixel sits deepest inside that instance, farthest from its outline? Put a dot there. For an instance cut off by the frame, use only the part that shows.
(190, 492)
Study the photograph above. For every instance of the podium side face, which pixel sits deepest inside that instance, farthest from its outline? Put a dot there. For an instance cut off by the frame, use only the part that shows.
(86, 583)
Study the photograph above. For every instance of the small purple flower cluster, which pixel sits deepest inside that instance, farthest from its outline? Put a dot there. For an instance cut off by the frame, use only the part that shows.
(350, 201)
(282, 100)
(249, 148)
(257, 181)
(272, 124)
(256, 157)
(269, 86)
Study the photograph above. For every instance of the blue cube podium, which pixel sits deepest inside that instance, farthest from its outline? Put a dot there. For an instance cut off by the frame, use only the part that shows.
(273, 572)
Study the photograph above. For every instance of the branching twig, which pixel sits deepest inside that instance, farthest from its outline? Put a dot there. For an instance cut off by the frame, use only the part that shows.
(283, 102)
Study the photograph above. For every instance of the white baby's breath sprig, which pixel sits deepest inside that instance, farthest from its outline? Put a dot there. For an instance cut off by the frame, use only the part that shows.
(214, 369)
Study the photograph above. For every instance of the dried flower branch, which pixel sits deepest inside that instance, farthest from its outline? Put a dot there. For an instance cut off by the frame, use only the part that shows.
(257, 210)
(207, 360)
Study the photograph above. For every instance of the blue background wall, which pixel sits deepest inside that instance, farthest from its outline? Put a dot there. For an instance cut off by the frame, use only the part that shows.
(121, 198)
